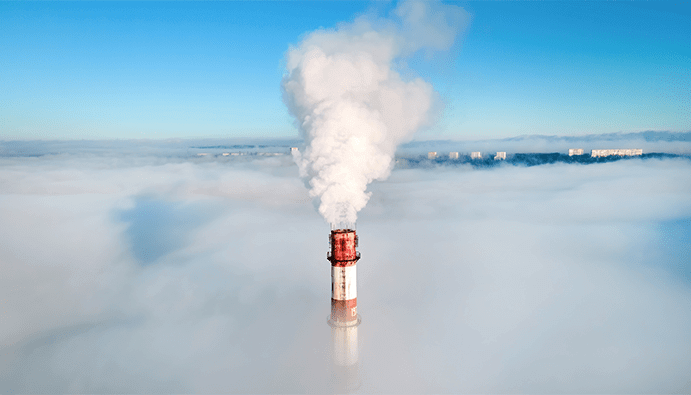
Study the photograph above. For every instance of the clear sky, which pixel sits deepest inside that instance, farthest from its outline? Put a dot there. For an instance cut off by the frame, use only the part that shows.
(95, 70)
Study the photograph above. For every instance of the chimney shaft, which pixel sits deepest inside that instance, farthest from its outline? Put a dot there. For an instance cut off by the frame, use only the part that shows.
(344, 319)
(343, 257)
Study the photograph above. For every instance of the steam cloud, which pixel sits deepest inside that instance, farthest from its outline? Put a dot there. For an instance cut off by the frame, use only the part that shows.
(351, 105)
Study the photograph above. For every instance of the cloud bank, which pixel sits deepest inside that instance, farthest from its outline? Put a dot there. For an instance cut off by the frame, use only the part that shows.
(155, 275)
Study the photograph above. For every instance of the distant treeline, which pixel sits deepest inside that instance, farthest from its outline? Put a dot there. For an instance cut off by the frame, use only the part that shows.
(533, 159)
(236, 146)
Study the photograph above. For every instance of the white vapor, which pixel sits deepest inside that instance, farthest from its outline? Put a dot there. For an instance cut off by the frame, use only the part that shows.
(204, 275)
(351, 105)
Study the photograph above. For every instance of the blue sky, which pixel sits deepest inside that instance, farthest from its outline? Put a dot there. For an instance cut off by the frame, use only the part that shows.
(101, 70)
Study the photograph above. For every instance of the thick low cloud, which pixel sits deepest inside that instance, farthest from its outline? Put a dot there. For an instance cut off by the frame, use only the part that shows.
(154, 275)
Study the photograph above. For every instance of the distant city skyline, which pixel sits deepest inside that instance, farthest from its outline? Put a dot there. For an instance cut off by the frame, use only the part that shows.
(92, 70)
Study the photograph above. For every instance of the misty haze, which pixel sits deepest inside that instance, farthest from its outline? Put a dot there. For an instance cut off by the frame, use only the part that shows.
(417, 196)
(147, 270)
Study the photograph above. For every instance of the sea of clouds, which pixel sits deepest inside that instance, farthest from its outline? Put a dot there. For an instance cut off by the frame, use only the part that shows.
(147, 273)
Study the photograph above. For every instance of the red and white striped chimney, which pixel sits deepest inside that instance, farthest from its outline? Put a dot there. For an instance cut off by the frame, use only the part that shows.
(344, 319)
(343, 257)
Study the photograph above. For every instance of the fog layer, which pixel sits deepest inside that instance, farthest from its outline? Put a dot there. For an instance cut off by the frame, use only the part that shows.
(147, 276)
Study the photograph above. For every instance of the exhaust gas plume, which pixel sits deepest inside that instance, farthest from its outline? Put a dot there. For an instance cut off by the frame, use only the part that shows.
(353, 108)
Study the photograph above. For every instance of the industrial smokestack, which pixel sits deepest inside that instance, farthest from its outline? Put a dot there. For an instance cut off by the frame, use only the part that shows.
(344, 318)
(353, 107)
(343, 257)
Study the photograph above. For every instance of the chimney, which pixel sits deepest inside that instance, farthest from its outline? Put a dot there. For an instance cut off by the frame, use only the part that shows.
(343, 257)
(344, 318)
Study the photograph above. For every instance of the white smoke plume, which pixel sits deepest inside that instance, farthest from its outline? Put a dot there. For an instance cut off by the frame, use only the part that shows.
(351, 105)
